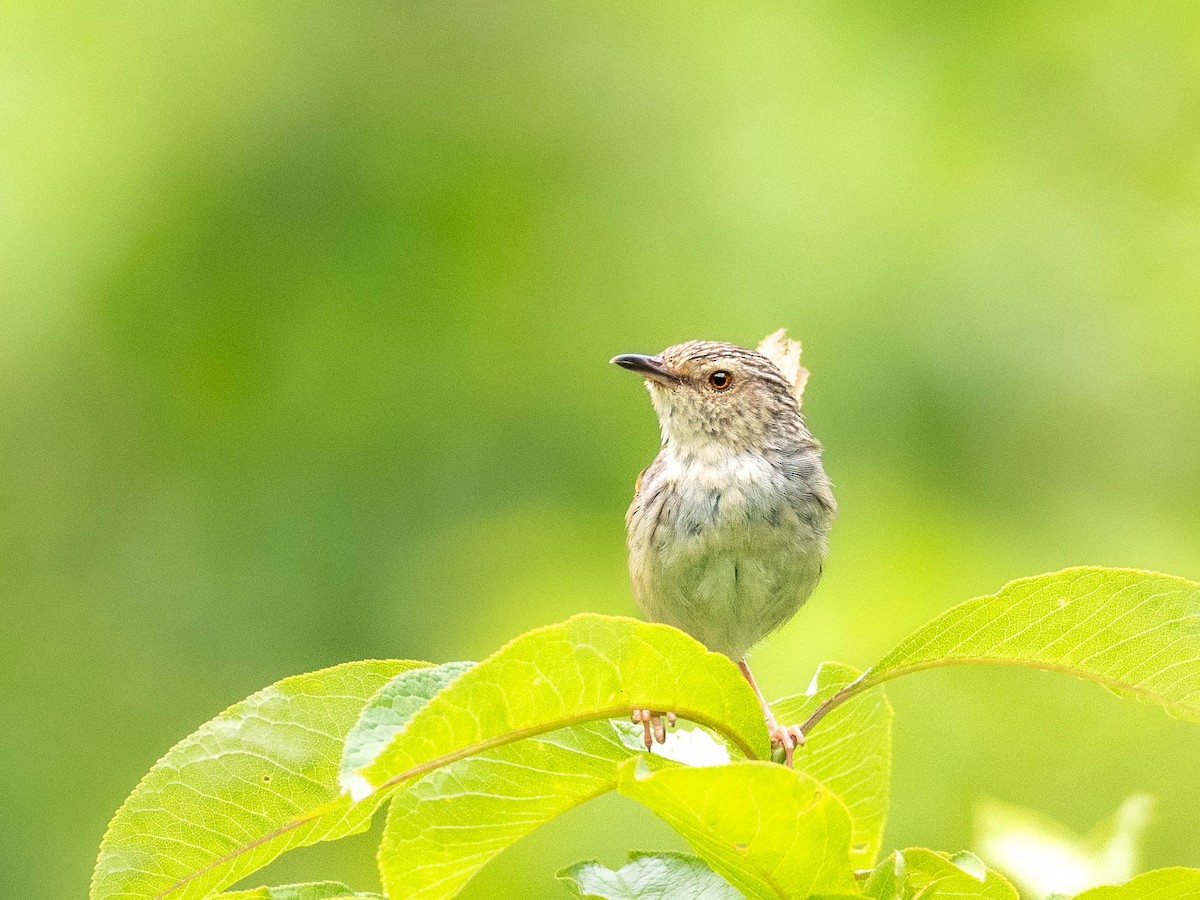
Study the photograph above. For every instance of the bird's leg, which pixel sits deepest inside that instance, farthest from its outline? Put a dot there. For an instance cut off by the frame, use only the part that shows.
(789, 737)
(652, 722)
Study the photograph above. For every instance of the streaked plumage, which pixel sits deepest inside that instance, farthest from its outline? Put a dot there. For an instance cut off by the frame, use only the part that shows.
(728, 528)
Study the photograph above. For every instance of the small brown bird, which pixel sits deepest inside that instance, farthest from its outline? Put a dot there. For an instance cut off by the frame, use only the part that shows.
(727, 530)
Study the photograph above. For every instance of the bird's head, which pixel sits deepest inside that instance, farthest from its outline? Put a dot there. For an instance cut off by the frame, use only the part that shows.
(711, 395)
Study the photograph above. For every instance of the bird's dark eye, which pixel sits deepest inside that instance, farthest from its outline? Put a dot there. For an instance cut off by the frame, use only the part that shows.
(720, 380)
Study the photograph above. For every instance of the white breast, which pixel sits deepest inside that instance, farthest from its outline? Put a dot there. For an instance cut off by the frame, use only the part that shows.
(726, 557)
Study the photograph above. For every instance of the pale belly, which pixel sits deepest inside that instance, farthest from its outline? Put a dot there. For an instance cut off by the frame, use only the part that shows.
(728, 575)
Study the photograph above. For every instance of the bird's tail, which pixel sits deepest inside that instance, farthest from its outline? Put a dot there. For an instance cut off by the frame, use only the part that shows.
(785, 354)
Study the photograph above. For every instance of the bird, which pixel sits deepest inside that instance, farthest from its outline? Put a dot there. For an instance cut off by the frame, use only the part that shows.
(728, 528)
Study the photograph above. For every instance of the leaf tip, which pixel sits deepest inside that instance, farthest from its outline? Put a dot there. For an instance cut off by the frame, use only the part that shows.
(970, 864)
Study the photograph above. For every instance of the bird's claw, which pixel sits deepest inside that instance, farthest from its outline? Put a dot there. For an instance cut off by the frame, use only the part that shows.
(789, 737)
(652, 723)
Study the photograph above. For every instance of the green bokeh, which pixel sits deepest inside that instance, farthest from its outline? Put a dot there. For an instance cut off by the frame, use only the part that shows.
(305, 313)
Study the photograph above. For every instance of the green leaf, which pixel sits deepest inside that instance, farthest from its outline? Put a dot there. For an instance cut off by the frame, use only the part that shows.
(390, 709)
(918, 874)
(322, 890)
(1044, 857)
(1161, 884)
(649, 876)
(445, 827)
(256, 781)
(590, 667)
(849, 751)
(1134, 632)
(770, 831)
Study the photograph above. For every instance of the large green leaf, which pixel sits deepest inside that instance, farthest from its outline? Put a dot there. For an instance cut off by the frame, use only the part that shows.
(446, 826)
(256, 781)
(1135, 632)
(918, 874)
(849, 751)
(590, 667)
(389, 710)
(1161, 884)
(649, 876)
(320, 890)
(772, 832)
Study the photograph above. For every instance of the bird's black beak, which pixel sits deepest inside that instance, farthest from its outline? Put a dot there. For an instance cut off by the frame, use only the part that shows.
(647, 366)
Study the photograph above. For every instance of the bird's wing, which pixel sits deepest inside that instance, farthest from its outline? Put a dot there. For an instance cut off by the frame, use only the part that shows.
(785, 354)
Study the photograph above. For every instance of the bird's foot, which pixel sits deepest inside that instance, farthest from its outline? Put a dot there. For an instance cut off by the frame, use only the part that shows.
(652, 723)
(789, 737)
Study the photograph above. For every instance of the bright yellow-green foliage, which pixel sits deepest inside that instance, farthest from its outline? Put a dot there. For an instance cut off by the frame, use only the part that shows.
(444, 828)
(772, 832)
(859, 730)
(918, 874)
(325, 890)
(588, 668)
(1137, 633)
(1163, 884)
(389, 710)
(474, 756)
(255, 782)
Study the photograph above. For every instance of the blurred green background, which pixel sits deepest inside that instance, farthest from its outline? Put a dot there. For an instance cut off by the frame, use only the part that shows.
(306, 313)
